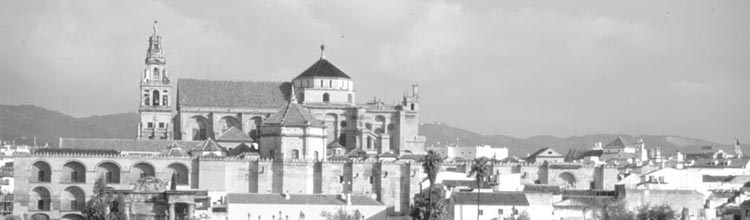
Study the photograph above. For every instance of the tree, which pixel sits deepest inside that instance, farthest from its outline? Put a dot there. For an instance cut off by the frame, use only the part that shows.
(431, 166)
(661, 212)
(430, 203)
(618, 211)
(341, 214)
(102, 205)
(481, 170)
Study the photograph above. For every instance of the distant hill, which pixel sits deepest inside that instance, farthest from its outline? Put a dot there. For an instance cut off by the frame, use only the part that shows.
(24, 122)
(439, 134)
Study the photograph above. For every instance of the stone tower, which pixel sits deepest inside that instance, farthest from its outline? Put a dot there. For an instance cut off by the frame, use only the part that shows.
(156, 102)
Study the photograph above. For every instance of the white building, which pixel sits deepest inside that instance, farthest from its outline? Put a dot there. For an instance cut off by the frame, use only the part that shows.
(472, 152)
(496, 205)
(300, 206)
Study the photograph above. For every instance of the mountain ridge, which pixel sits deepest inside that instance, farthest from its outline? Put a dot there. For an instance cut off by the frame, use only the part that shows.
(24, 123)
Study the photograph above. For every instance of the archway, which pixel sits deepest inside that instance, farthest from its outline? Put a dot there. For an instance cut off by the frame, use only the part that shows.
(198, 128)
(141, 170)
(72, 199)
(39, 216)
(566, 180)
(41, 172)
(73, 172)
(72, 217)
(155, 98)
(39, 199)
(181, 172)
(326, 97)
(109, 171)
(255, 130)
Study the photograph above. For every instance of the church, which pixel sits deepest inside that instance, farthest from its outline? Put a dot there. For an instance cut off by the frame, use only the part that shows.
(313, 114)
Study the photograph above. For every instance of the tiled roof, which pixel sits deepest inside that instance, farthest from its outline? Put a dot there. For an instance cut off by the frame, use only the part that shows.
(209, 93)
(293, 114)
(592, 153)
(466, 183)
(299, 199)
(122, 144)
(234, 134)
(208, 145)
(494, 198)
(323, 68)
(77, 151)
(537, 188)
(616, 143)
(175, 151)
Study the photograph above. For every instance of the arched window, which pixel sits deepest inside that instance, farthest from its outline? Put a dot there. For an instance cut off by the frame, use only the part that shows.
(146, 99)
(42, 171)
(326, 97)
(141, 170)
(412, 106)
(180, 171)
(110, 172)
(74, 172)
(156, 98)
(72, 199)
(40, 199)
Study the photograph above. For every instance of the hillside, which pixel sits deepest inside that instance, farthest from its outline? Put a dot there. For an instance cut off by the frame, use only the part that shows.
(24, 122)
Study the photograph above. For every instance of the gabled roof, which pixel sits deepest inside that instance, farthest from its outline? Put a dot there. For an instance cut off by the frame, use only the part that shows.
(175, 151)
(234, 134)
(293, 114)
(210, 93)
(299, 199)
(323, 68)
(208, 145)
(122, 144)
(617, 143)
(545, 152)
(494, 198)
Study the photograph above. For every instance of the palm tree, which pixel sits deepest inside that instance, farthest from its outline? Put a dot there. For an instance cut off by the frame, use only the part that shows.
(431, 165)
(481, 169)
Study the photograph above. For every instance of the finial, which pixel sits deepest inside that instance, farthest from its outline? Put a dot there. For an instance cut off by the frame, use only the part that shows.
(155, 26)
(322, 50)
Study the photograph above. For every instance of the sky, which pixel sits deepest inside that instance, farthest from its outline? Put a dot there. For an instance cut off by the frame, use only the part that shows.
(518, 68)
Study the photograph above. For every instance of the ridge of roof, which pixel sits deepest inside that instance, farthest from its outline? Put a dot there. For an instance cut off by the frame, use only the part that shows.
(293, 114)
(208, 145)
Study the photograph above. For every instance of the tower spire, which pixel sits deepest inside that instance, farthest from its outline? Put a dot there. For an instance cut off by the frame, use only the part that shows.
(322, 50)
(155, 29)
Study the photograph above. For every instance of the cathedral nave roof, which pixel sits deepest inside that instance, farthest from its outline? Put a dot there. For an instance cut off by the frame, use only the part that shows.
(247, 94)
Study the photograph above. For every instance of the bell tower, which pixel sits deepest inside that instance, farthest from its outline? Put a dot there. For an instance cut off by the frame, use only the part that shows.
(156, 102)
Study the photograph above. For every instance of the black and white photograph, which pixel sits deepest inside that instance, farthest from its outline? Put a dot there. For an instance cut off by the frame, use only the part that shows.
(374, 110)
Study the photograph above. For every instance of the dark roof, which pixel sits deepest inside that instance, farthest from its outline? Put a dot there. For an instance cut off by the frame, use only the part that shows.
(592, 153)
(195, 92)
(334, 145)
(123, 144)
(709, 178)
(298, 199)
(466, 183)
(411, 156)
(356, 153)
(494, 198)
(77, 151)
(234, 134)
(536, 188)
(293, 114)
(565, 166)
(323, 68)
(585, 201)
(616, 143)
(240, 149)
(388, 154)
